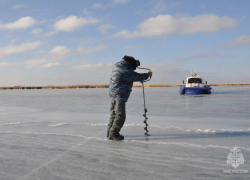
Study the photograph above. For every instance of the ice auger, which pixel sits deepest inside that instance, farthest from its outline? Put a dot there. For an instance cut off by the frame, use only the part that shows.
(145, 109)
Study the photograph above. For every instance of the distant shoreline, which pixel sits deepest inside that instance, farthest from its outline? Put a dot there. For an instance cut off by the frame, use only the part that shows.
(106, 86)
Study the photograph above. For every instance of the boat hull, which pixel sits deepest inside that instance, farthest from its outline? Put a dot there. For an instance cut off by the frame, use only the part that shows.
(195, 90)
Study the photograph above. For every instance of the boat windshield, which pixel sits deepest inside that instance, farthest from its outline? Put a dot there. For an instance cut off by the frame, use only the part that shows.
(194, 80)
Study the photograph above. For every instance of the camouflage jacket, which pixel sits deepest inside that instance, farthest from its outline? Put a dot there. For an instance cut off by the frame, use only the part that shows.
(122, 79)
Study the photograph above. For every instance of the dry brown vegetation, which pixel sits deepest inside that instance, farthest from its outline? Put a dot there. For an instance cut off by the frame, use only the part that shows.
(55, 87)
(231, 84)
(106, 86)
(158, 85)
(176, 85)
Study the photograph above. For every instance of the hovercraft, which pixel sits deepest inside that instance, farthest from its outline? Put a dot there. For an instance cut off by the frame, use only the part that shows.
(195, 85)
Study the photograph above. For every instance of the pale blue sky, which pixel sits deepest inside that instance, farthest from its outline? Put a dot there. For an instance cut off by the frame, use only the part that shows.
(77, 42)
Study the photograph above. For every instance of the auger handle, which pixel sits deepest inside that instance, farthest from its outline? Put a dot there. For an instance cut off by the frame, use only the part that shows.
(149, 77)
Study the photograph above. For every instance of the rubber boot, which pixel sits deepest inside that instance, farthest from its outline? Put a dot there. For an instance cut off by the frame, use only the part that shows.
(116, 137)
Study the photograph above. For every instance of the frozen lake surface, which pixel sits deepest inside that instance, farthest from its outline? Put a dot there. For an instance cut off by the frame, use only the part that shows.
(61, 135)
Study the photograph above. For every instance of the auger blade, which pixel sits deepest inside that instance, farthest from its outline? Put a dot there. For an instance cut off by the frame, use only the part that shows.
(147, 134)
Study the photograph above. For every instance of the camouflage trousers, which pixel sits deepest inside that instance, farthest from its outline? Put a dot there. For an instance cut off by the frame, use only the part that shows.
(117, 116)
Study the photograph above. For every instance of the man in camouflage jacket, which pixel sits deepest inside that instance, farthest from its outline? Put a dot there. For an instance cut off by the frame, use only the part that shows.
(121, 82)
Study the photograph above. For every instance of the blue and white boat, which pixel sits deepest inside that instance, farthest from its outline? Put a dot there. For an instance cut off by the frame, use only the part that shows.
(195, 85)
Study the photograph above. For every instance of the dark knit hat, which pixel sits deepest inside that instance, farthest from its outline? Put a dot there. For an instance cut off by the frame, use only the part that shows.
(131, 60)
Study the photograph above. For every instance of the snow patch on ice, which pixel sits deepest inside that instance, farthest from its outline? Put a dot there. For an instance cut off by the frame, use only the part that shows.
(204, 131)
(60, 124)
(190, 130)
(87, 124)
(185, 144)
(17, 123)
(133, 141)
(12, 123)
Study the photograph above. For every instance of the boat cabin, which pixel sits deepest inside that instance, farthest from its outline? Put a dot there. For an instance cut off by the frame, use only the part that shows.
(194, 80)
